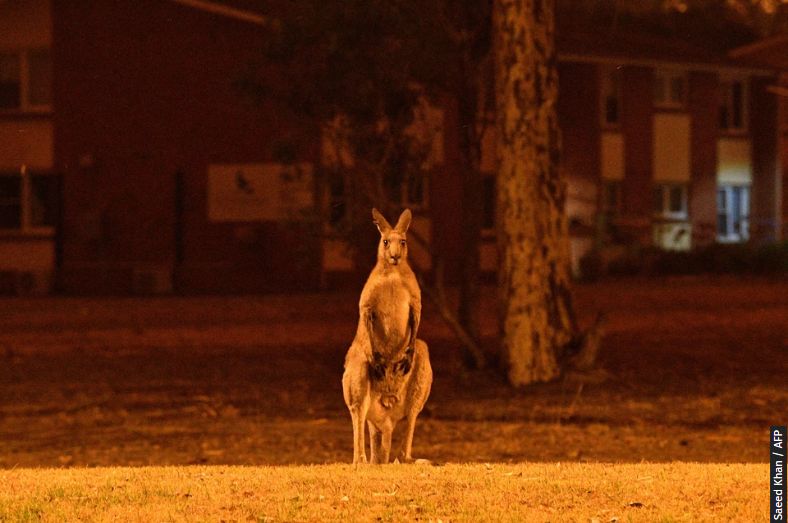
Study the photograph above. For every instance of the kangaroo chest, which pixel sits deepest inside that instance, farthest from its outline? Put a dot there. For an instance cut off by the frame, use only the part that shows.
(389, 305)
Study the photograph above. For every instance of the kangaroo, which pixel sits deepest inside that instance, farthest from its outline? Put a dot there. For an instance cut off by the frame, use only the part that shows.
(387, 369)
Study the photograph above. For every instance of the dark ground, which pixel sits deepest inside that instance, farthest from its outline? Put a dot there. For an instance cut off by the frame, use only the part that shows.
(695, 371)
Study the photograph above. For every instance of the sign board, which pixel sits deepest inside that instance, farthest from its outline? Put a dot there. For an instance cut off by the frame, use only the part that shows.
(257, 192)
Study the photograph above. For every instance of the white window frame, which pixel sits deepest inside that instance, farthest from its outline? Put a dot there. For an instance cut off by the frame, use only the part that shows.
(26, 206)
(665, 212)
(725, 207)
(726, 98)
(664, 78)
(610, 79)
(25, 105)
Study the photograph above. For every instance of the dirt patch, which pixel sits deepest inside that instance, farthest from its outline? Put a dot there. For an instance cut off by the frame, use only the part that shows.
(694, 371)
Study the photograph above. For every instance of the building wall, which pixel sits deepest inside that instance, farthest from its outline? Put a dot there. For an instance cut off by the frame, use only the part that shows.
(783, 152)
(578, 115)
(637, 127)
(446, 196)
(25, 24)
(27, 257)
(579, 118)
(26, 140)
(25, 137)
(766, 191)
(145, 102)
(703, 108)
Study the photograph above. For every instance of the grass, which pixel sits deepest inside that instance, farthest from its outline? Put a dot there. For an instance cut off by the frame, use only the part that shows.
(536, 492)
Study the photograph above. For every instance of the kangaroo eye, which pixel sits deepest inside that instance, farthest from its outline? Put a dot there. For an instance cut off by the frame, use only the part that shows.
(385, 243)
(402, 242)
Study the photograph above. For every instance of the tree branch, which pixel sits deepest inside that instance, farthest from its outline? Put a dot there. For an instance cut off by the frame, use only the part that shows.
(472, 351)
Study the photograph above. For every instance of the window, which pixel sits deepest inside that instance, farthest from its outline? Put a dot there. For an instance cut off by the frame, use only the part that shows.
(670, 201)
(733, 105)
(415, 190)
(29, 202)
(39, 73)
(10, 81)
(25, 80)
(611, 96)
(10, 202)
(406, 187)
(670, 89)
(733, 207)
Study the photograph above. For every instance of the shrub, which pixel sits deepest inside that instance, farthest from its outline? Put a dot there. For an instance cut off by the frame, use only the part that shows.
(764, 259)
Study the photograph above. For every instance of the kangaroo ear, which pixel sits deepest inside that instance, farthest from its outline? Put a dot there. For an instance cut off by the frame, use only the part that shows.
(404, 221)
(380, 222)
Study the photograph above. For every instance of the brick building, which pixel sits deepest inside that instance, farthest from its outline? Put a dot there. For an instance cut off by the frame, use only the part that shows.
(772, 53)
(680, 145)
(130, 163)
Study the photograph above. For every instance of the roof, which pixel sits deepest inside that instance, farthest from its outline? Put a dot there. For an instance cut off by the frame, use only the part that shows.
(629, 47)
(770, 52)
(235, 9)
(624, 47)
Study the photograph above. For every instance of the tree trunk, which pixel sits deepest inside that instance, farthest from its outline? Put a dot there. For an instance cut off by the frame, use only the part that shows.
(537, 319)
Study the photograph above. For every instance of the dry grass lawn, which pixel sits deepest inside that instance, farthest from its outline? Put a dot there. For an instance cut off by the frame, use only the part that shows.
(480, 492)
